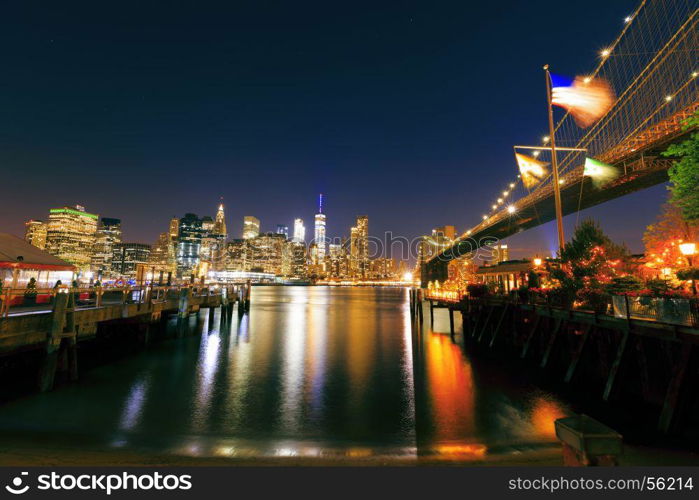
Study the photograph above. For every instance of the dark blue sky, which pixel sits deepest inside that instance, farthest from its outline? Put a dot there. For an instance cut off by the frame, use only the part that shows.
(404, 111)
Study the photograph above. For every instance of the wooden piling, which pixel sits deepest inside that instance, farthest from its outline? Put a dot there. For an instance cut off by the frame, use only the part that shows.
(501, 321)
(211, 317)
(420, 312)
(616, 365)
(672, 397)
(49, 363)
(552, 341)
(577, 353)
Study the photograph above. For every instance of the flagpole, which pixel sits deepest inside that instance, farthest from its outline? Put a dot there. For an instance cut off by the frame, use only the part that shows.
(554, 164)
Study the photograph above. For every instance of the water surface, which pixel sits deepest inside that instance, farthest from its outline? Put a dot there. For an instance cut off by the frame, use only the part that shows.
(310, 372)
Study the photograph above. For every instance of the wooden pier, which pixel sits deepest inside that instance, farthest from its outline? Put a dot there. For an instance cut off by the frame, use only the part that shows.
(649, 361)
(57, 328)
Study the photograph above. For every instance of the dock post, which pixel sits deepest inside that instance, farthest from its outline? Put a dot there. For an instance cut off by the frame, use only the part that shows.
(211, 317)
(616, 365)
(451, 321)
(577, 354)
(248, 293)
(72, 353)
(49, 363)
(432, 316)
(551, 343)
(499, 326)
(224, 305)
(183, 309)
(674, 389)
(419, 306)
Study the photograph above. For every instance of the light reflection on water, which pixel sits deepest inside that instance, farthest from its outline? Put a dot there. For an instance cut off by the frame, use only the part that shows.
(311, 372)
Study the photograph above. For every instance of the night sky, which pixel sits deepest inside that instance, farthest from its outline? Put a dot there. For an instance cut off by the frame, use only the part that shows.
(403, 111)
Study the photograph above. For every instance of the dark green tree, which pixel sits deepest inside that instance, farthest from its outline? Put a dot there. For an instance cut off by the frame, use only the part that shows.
(588, 262)
(684, 175)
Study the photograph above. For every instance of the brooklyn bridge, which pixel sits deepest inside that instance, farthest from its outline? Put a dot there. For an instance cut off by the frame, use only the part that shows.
(652, 66)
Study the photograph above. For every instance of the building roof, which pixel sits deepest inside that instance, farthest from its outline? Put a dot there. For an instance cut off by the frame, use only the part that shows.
(511, 266)
(17, 253)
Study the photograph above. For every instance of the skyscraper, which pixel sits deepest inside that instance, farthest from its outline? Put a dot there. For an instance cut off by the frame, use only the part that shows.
(70, 235)
(299, 267)
(220, 222)
(299, 231)
(191, 233)
(359, 247)
(335, 257)
(108, 234)
(162, 257)
(267, 253)
(251, 227)
(35, 233)
(219, 235)
(282, 229)
(447, 233)
(127, 257)
(319, 236)
(208, 241)
(174, 229)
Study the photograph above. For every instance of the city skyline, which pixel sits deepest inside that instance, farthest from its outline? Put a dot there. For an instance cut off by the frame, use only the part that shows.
(268, 141)
(202, 248)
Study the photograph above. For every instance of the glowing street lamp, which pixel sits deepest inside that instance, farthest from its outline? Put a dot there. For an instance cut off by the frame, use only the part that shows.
(689, 250)
(537, 262)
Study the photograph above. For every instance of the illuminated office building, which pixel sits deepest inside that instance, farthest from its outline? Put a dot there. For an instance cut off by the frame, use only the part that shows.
(236, 257)
(219, 235)
(70, 235)
(282, 229)
(208, 241)
(35, 233)
(174, 228)
(108, 234)
(442, 237)
(267, 253)
(447, 233)
(299, 231)
(162, 258)
(335, 260)
(359, 247)
(501, 253)
(319, 234)
(190, 232)
(382, 268)
(220, 222)
(299, 264)
(251, 227)
(127, 257)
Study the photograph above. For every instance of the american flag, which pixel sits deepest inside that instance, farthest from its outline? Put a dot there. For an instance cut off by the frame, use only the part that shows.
(587, 99)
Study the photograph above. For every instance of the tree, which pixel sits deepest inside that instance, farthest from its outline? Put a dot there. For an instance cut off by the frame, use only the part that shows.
(684, 175)
(663, 237)
(589, 261)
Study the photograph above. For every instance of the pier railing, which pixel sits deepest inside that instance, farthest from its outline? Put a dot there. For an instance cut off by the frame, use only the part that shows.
(668, 310)
(21, 301)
